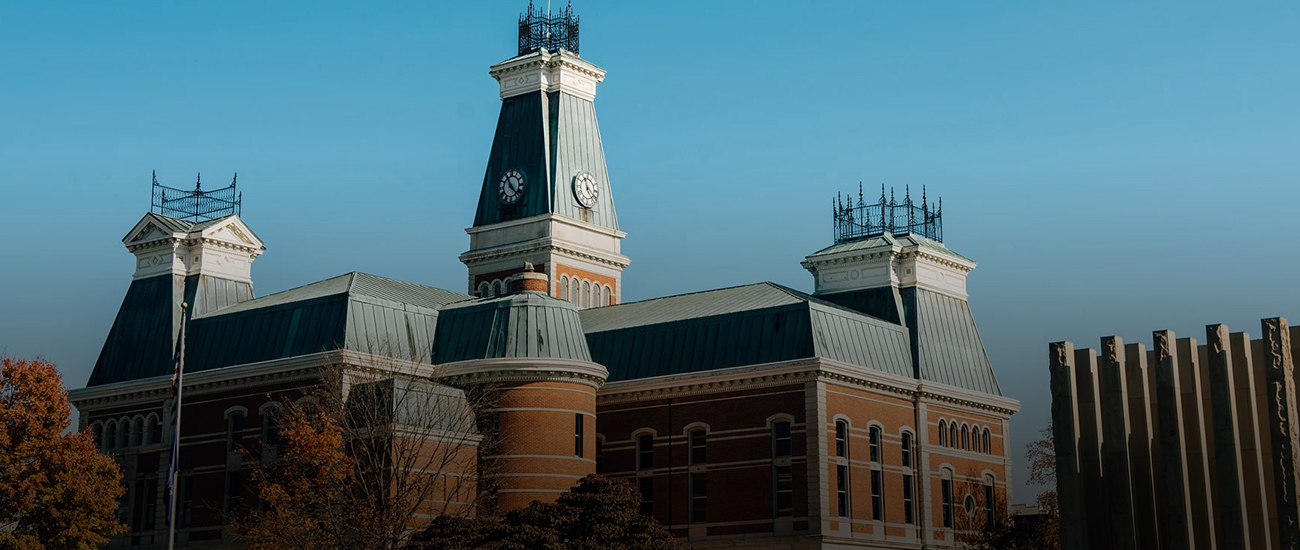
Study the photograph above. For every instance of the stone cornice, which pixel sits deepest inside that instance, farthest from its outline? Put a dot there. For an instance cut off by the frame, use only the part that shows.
(798, 371)
(541, 245)
(302, 367)
(524, 369)
(548, 59)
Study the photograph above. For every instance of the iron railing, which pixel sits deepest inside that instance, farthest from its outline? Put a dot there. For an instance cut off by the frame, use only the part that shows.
(859, 220)
(539, 28)
(197, 205)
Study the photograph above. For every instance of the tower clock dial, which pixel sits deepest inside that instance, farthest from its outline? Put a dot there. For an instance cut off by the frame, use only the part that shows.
(585, 189)
(512, 187)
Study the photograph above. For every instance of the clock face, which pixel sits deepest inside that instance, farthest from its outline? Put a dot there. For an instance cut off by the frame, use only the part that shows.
(585, 189)
(512, 187)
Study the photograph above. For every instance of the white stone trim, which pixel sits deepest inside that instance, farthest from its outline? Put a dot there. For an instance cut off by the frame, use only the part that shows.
(543, 70)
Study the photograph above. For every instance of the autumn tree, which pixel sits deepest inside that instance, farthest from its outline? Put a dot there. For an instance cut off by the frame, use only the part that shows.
(599, 513)
(1002, 531)
(370, 455)
(56, 490)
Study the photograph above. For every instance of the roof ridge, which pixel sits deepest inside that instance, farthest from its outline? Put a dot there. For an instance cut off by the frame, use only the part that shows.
(647, 300)
(814, 300)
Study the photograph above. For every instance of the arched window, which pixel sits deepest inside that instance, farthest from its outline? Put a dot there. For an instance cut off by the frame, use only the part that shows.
(271, 425)
(645, 452)
(965, 438)
(946, 490)
(152, 430)
(975, 438)
(990, 506)
(593, 299)
(697, 457)
(953, 441)
(484, 290)
(497, 289)
(564, 287)
(234, 431)
(573, 291)
(943, 433)
(138, 435)
(110, 434)
(605, 296)
(988, 446)
(782, 474)
(97, 432)
(123, 431)
(909, 497)
(842, 438)
(873, 439)
(585, 296)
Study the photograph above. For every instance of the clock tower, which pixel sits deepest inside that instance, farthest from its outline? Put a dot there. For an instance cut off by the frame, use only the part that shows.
(546, 196)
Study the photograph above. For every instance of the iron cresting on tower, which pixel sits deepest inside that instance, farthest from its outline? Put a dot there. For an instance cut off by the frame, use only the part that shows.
(546, 195)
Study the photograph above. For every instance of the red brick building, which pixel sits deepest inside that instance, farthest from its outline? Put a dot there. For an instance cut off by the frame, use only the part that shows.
(864, 415)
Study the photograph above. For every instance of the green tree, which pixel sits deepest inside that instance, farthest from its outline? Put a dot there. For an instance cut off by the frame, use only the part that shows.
(598, 513)
(57, 491)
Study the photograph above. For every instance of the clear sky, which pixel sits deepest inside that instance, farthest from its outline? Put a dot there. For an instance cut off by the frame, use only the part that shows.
(1114, 167)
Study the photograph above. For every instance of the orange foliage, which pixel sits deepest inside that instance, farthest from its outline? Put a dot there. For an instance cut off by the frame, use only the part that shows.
(56, 489)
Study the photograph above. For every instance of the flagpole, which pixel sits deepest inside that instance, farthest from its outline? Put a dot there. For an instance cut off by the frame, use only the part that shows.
(174, 473)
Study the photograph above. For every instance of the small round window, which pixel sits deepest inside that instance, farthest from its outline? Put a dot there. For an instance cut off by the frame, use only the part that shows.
(969, 505)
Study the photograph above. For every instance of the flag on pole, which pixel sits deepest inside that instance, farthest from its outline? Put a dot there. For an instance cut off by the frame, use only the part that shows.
(178, 375)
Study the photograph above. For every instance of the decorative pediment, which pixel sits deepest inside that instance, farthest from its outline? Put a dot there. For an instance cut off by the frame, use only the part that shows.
(149, 228)
(232, 230)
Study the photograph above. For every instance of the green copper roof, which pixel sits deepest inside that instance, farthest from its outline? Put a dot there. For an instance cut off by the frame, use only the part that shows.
(525, 324)
(947, 345)
(141, 342)
(355, 311)
(748, 325)
(550, 137)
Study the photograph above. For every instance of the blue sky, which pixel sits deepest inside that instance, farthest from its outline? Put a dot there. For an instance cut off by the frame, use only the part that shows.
(1115, 167)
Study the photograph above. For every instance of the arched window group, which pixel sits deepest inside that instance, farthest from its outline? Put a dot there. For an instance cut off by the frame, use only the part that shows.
(496, 287)
(127, 432)
(584, 293)
(965, 437)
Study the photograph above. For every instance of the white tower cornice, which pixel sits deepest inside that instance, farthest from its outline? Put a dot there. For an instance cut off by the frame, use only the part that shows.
(545, 71)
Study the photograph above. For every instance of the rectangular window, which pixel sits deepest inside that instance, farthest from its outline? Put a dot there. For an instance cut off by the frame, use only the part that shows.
(698, 449)
(907, 450)
(577, 434)
(780, 439)
(947, 502)
(185, 500)
(877, 495)
(646, 484)
(645, 452)
(783, 493)
(234, 433)
(699, 495)
(989, 506)
(600, 455)
(909, 506)
(233, 486)
(146, 499)
(842, 489)
(873, 437)
(842, 439)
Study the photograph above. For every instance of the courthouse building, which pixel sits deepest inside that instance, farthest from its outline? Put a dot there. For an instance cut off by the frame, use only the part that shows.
(863, 415)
